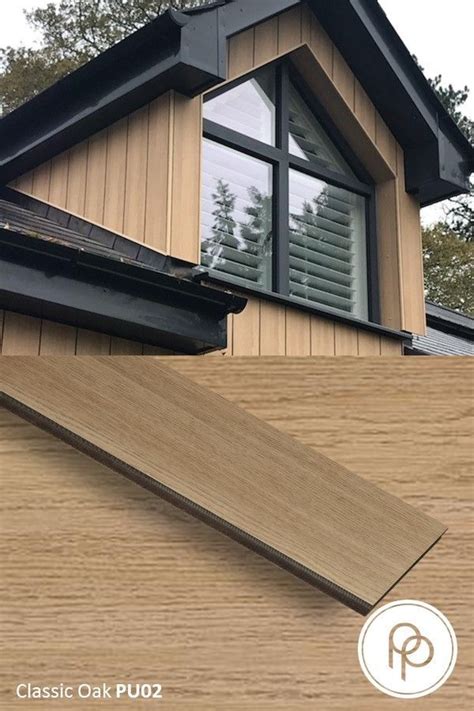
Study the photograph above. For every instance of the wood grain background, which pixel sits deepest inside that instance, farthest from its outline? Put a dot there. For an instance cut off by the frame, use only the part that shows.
(101, 581)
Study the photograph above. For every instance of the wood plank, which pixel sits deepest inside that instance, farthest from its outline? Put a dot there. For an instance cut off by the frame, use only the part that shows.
(266, 41)
(343, 78)
(59, 180)
(323, 336)
(322, 46)
(289, 30)
(91, 343)
(390, 347)
(186, 171)
(298, 333)
(272, 329)
(158, 204)
(57, 339)
(346, 341)
(193, 600)
(411, 255)
(136, 174)
(95, 178)
(21, 334)
(388, 249)
(24, 183)
(246, 330)
(117, 138)
(241, 53)
(385, 141)
(122, 346)
(326, 525)
(364, 109)
(77, 178)
(368, 344)
(42, 180)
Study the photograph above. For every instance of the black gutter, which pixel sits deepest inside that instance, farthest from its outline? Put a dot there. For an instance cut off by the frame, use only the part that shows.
(72, 286)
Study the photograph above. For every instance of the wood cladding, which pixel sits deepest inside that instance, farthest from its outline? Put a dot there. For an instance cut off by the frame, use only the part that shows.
(262, 329)
(197, 450)
(28, 335)
(142, 176)
(103, 580)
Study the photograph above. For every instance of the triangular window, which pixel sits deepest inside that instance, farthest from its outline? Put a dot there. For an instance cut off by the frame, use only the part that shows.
(308, 139)
(284, 210)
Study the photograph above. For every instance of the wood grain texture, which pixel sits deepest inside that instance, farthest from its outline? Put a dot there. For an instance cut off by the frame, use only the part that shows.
(196, 449)
(109, 582)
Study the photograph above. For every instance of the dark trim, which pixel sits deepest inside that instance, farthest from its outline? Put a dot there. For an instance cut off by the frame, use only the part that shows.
(176, 499)
(69, 285)
(283, 161)
(202, 275)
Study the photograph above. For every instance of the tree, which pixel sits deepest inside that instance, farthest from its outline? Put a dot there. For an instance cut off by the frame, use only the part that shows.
(224, 227)
(449, 268)
(71, 32)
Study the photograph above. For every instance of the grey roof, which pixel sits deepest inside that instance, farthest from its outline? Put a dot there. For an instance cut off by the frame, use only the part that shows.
(449, 333)
(443, 344)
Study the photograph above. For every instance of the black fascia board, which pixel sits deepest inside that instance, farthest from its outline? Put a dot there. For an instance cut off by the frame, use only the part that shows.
(438, 157)
(69, 285)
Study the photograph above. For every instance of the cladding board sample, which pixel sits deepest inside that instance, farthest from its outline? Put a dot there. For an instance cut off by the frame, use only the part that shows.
(102, 580)
(295, 506)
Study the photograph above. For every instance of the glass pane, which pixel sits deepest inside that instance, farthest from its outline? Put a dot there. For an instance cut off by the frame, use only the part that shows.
(248, 108)
(308, 140)
(328, 250)
(237, 216)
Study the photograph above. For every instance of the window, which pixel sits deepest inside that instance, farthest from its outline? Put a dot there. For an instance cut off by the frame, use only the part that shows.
(284, 209)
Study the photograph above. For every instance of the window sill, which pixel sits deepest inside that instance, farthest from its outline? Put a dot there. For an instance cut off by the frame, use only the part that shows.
(333, 315)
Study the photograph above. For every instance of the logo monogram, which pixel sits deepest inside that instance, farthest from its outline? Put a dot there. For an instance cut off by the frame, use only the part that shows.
(411, 645)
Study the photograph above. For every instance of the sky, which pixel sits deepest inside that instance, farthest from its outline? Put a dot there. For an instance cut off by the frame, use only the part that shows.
(439, 32)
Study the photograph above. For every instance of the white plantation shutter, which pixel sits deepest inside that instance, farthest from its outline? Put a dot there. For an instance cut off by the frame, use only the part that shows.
(236, 220)
(327, 245)
(308, 140)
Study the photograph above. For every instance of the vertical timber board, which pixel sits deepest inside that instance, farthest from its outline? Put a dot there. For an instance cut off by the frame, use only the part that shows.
(388, 249)
(241, 53)
(57, 339)
(21, 334)
(272, 329)
(95, 178)
(266, 41)
(157, 203)
(92, 343)
(290, 30)
(323, 337)
(77, 178)
(346, 340)
(136, 173)
(368, 344)
(411, 256)
(186, 178)
(298, 333)
(117, 137)
(246, 330)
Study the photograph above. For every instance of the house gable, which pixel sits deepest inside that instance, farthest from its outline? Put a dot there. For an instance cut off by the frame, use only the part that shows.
(130, 177)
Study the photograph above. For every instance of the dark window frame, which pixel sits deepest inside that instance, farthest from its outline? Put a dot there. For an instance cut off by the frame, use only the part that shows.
(283, 161)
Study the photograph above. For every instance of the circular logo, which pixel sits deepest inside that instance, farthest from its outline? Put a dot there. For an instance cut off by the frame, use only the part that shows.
(407, 649)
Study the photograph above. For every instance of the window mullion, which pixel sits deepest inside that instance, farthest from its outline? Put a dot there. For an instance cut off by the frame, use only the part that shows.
(282, 192)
